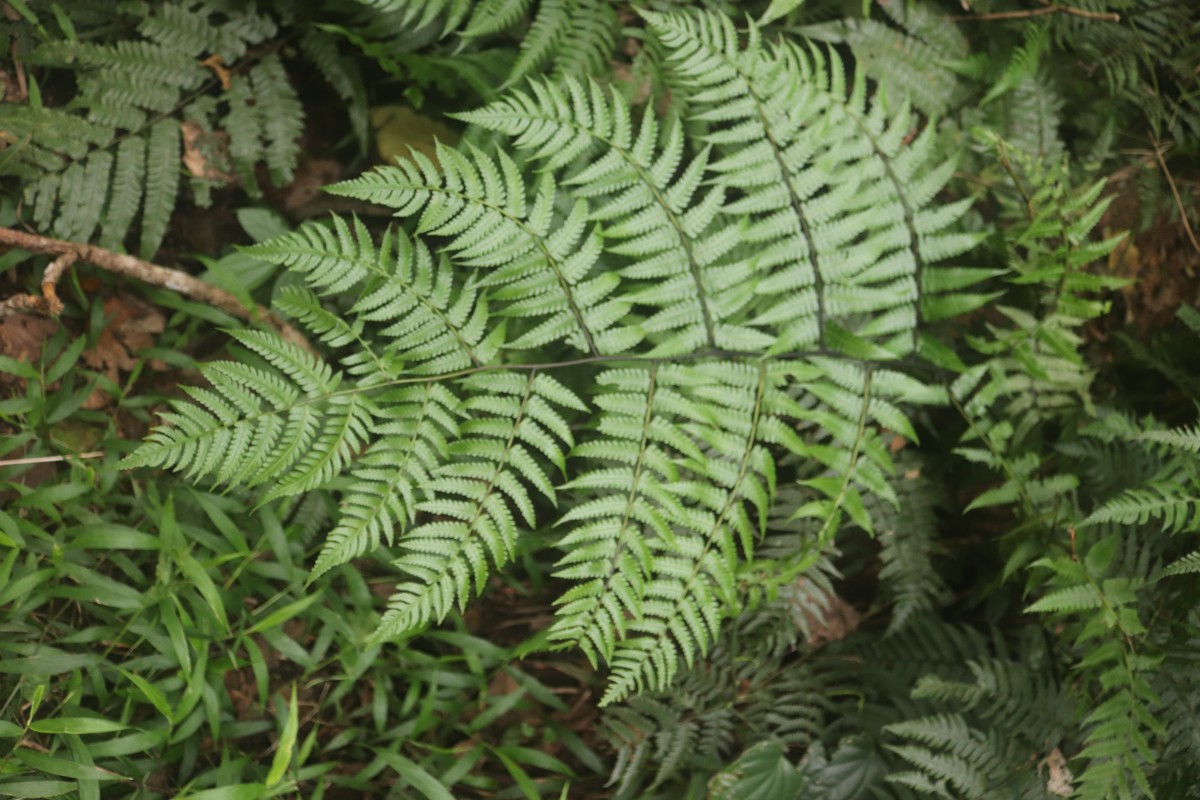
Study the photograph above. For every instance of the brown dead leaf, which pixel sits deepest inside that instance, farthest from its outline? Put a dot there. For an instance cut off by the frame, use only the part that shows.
(217, 65)
(1058, 778)
(202, 150)
(14, 91)
(23, 336)
(837, 622)
(311, 176)
(132, 324)
(623, 73)
(1157, 256)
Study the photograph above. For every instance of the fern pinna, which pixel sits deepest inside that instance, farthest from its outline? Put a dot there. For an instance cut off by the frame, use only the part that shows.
(622, 333)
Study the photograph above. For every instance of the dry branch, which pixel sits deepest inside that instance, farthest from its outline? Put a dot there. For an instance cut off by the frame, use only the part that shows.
(130, 267)
(1101, 16)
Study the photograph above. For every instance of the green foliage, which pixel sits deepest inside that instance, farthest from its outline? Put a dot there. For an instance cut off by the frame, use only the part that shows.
(621, 252)
(161, 641)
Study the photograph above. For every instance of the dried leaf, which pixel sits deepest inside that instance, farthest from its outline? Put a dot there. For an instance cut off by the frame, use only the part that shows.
(397, 128)
(1058, 779)
(203, 150)
(23, 336)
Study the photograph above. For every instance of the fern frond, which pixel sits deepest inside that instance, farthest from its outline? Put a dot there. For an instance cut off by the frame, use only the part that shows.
(288, 426)
(1186, 565)
(162, 183)
(1182, 439)
(913, 56)
(282, 118)
(543, 270)
(113, 147)
(779, 160)
(648, 204)
(418, 14)
(1174, 505)
(430, 325)
(189, 28)
(906, 536)
(691, 582)
(744, 281)
(578, 35)
(493, 16)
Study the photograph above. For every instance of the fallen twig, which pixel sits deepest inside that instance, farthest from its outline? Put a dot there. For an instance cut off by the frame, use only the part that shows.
(1187, 225)
(49, 459)
(1102, 16)
(129, 267)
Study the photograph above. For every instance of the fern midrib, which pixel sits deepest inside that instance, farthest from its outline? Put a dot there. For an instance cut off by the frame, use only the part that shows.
(551, 261)
(311, 400)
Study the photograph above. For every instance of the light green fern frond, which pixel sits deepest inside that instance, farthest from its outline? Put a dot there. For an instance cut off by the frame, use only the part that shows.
(736, 288)
(649, 205)
(789, 171)
(425, 324)
(542, 265)
(287, 426)
(1165, 499)
(1187, 565)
